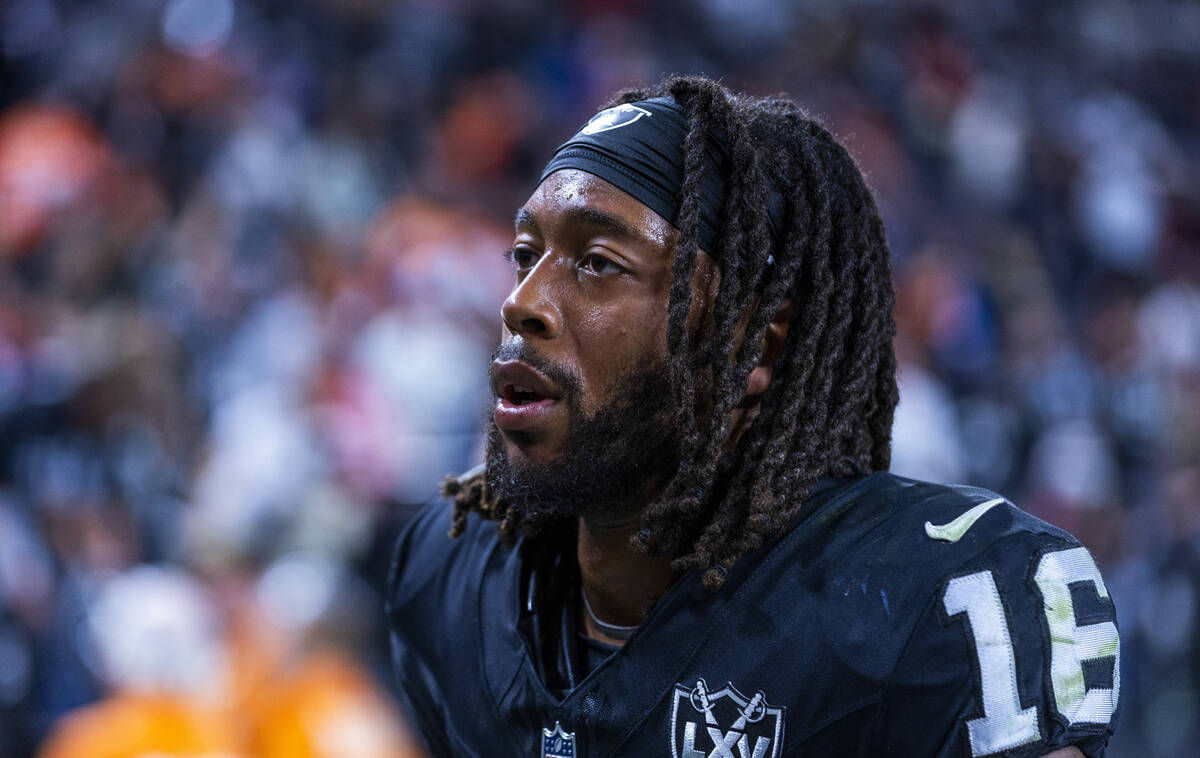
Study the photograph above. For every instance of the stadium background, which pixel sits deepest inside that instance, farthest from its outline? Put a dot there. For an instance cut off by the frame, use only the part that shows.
(250, 269)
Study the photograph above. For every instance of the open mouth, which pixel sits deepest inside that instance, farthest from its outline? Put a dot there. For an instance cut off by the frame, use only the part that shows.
(515, 394)
(525, 398)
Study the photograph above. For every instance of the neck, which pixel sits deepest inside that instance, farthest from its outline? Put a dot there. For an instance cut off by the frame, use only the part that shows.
(620, 582)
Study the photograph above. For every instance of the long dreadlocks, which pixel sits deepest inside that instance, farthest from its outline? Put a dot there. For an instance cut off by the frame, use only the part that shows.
(828, 410)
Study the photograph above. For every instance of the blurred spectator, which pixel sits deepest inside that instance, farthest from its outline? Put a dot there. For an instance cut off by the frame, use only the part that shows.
(184, 683)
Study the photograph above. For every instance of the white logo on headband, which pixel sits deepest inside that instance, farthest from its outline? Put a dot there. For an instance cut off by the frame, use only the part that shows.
(614, 118)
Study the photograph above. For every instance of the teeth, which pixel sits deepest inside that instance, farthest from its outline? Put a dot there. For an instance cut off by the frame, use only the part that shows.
(519, 388)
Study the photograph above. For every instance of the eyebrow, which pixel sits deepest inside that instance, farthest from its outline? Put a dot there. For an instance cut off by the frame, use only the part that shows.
(590, 216)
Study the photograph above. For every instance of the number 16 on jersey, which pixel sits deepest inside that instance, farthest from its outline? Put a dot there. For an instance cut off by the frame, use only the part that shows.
(1005, 724)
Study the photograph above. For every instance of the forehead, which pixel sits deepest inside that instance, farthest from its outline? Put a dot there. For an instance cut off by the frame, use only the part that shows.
(571, 196)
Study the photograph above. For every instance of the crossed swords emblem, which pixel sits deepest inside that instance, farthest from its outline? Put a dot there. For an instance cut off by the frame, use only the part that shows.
(724, 742)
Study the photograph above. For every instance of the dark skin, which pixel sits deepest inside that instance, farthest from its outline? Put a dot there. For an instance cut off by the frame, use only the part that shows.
(593, 273)
(593, 279)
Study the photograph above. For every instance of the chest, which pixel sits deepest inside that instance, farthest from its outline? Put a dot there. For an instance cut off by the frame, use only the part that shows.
(742, 680)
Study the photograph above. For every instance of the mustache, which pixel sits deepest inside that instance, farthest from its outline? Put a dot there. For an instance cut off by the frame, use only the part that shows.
(516, 349)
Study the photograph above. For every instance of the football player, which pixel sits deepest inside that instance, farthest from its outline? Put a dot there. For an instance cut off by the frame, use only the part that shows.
(685, 541)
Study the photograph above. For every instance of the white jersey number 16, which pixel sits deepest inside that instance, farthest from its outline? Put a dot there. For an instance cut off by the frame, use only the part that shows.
(1004, 724)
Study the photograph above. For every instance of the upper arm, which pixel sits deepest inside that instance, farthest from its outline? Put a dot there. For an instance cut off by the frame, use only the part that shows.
(1017, 653)
(420, 701)
(416, 556)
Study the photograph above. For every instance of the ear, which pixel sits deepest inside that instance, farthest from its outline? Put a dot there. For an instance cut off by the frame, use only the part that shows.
(773, 341)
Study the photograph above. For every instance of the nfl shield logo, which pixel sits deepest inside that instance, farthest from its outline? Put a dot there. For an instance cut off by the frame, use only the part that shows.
(558, 744)
(724, 724)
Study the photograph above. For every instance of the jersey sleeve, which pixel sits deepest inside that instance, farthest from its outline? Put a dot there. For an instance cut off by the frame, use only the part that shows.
(419, 702)
(1016, 654)
(413, 563)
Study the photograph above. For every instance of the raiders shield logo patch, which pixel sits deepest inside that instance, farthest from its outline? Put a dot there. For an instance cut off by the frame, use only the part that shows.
(558, 744)
(614, 118)
(724, 724)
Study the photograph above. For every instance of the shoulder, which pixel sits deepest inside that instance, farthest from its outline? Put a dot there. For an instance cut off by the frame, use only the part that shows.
(912, 535)
(434, 593)
(882, 505)
(906, 537)
(427, 562)
(976, 628)
(910, 618)
(1009, 642)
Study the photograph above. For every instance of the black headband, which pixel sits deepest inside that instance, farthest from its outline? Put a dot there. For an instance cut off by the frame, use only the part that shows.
(638, 147)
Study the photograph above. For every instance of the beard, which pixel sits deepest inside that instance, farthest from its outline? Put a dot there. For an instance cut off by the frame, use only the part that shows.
(612, 463)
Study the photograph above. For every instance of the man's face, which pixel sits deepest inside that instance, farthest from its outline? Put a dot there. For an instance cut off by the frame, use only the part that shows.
(583, 404)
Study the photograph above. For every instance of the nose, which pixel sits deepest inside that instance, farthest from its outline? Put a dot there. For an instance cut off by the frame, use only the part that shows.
(531, 310)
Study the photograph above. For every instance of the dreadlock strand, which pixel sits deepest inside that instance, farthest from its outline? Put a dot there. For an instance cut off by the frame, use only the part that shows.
(778, 408)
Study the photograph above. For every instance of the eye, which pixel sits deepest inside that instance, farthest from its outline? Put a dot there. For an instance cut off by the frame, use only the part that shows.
(523, 257)
(598, 264)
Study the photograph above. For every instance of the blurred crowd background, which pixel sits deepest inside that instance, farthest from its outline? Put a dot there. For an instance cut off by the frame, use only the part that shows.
(250, 275)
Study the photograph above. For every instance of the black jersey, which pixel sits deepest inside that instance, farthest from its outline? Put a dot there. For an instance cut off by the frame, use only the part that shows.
(894, 618)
